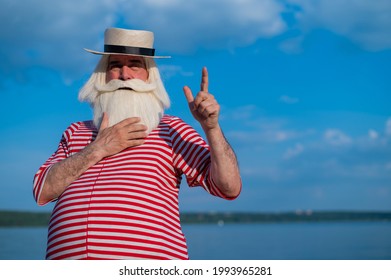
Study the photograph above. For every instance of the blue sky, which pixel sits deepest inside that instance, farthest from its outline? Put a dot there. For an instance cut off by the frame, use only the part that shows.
(304, 88)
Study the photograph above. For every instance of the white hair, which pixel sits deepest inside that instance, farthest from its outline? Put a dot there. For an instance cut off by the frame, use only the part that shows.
(88, 92)
(119, 105)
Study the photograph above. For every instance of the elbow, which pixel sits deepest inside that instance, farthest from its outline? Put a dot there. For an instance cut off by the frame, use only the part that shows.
(229, 184)
(232, 190)
(47, 194)
(44, 199)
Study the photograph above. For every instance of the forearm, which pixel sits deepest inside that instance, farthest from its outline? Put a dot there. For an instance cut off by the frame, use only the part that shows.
(109, 141)
(63, 173)
(224, 165)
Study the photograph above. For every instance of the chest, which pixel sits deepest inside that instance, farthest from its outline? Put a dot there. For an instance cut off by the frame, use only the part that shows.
(155, 155)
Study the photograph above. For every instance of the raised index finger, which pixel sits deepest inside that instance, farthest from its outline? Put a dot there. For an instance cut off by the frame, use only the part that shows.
(204, 80)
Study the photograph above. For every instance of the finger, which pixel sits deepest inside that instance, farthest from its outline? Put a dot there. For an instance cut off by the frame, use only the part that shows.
(135, 142)
(188, 94)
(202, 97)
(206, 106)
(135, 127)
(211, 110)
(204, 80)
(137, 135)
(105, 121)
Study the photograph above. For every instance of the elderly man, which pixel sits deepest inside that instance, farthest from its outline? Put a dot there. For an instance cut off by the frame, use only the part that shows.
(116, 179)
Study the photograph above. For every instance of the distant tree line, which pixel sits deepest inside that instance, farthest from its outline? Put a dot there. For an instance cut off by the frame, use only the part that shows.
(23, 219)
(41, 219)
(285, 217)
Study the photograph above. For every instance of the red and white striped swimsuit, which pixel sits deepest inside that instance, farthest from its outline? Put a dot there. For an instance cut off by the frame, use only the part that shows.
(126, 206)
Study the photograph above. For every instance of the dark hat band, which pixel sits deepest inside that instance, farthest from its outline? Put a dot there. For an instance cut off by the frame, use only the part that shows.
(129, 50)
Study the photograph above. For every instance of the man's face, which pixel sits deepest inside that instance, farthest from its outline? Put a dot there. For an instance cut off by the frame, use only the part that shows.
(126, 67)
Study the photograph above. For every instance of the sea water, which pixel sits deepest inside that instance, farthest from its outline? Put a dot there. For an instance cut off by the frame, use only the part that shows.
(274, 241)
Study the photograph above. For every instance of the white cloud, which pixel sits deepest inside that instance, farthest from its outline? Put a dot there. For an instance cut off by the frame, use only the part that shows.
(292, 45)
(388, 128)
(184, 26)
(255, 128)
(293, 152)
(42, 33)
(336, 137)
(244, 114)
(367, 23)
(373, 134)
(168, 71)
(288, 99)
(265, 136)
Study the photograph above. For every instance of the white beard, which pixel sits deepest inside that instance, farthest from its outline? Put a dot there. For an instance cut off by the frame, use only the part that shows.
(125, 99)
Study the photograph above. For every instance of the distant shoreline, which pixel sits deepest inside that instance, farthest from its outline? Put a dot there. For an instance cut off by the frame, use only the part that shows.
(41, 219)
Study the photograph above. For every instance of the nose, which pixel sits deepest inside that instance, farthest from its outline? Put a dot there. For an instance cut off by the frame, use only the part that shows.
(125, 73)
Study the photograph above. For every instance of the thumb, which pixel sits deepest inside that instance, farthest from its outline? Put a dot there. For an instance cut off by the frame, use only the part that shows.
(105, 121)
(188, 94)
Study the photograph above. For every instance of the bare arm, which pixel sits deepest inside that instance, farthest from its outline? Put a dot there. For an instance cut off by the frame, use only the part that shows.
(109, 141)
(224, 168)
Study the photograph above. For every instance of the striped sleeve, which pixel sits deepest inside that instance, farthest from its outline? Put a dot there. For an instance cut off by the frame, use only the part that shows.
(61, 153)
(191, 157)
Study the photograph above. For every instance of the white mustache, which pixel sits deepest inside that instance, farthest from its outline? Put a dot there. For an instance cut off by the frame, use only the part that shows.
(136, 85)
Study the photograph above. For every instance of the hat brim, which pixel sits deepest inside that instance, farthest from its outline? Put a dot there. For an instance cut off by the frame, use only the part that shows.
(111, 53)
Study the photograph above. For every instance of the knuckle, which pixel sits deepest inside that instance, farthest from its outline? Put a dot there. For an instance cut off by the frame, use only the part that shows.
(130, 120)
(143, 127)
(141, 135)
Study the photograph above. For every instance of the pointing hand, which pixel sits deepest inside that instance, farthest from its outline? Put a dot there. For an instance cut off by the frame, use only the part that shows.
(203, 106)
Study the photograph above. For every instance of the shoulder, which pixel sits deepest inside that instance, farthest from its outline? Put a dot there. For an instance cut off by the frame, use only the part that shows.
(169, 119)
(174, 124)
(178, 129)
(79, 127)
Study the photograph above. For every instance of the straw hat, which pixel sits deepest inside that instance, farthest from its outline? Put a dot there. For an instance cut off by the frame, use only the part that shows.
(128, 42)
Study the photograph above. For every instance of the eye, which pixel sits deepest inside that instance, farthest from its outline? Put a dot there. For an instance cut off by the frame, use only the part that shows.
(135, 65)
(114, 66)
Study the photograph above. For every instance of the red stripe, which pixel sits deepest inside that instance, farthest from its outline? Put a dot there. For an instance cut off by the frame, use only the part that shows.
(143, 184)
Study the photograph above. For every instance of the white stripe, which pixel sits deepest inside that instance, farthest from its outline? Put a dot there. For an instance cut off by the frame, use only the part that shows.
(53, 232)
(65, 237)
(131, 251)
(171, 195)
(155, 175)
(106, 244)
(131, 207)
(61, 253)
(57, 217)
(159, 229)
(81, 243)
(113, 195)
